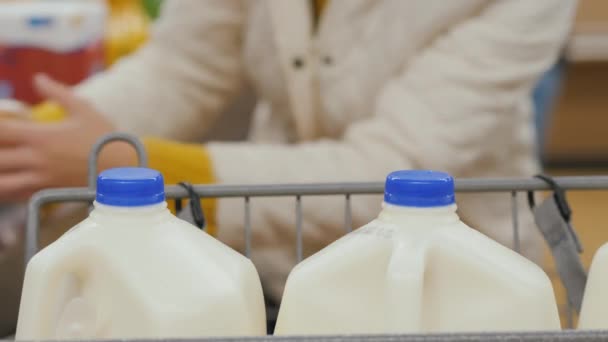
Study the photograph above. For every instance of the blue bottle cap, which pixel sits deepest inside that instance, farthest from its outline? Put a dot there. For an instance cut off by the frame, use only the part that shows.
(130, 187)
(419, 188)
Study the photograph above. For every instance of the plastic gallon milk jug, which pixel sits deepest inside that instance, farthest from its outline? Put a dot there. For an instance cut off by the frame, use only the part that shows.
(594, 311)
(133, 270)
(416, 268)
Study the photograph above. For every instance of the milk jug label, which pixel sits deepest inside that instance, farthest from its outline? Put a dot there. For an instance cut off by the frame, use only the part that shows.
(376, 230)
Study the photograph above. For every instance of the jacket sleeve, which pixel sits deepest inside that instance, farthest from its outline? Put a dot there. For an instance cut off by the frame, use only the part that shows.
(176, 84)
(454, 108)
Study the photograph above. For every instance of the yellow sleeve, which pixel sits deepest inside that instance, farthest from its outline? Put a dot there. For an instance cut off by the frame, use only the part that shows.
(177, 162)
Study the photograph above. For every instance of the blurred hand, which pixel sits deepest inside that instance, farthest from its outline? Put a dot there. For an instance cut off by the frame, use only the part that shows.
(34, 156)
(12, 221)
(12, 109)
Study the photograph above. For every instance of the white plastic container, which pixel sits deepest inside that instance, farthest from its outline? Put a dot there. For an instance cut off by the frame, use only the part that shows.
(133, 270)
(416, 268)
(594, 311)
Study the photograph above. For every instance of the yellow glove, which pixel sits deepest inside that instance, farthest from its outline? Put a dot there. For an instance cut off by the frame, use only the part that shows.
(177, 162)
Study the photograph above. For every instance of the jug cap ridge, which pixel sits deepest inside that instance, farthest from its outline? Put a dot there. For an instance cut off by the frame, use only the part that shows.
(130, 187)
(419, 188)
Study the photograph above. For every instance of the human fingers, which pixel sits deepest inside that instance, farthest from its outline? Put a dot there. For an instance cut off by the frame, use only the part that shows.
(15, 132)
(11, 109)
(18, 186)
(61, 94)
(16, 158)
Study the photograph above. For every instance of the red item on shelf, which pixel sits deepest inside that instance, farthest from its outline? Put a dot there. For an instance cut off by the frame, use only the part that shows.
(62, 38)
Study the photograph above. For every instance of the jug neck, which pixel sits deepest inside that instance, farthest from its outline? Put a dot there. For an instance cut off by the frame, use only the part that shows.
(145, 212)
(435, 215)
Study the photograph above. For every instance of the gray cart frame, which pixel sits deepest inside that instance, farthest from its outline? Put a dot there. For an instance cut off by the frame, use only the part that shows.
(511, 186)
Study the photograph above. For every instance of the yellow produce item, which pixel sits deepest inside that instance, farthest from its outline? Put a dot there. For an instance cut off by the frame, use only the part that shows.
(127, 28)
(48, 112)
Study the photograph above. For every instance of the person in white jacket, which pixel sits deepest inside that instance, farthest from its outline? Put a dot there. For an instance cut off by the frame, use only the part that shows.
(368, 88)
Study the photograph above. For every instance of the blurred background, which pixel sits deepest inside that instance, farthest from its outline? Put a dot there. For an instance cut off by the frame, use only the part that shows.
(571, 101)
(576, 119)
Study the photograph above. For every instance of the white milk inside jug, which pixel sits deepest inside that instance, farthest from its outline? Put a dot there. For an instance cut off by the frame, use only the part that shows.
(133, 270)
(416, 268)
(594, 311)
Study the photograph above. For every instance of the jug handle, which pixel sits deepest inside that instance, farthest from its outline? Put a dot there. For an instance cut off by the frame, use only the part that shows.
(38, 310)
(132, 140)
(405, 287)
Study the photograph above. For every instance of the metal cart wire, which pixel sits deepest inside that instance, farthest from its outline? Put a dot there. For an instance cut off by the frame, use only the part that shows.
(510, 186)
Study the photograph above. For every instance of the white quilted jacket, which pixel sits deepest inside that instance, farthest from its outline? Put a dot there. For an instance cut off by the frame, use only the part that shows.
(378, 86)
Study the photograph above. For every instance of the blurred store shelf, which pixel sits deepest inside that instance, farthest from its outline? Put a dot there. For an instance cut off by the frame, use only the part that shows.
(589, 40)
(576, 135)
(589, 45)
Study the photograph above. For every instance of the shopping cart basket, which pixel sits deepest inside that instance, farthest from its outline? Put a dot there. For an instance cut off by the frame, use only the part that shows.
(513, 187)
